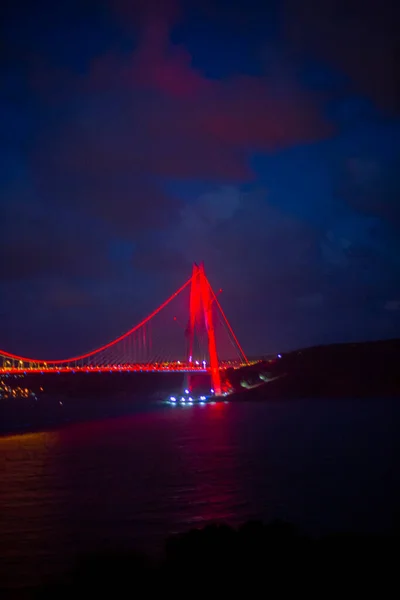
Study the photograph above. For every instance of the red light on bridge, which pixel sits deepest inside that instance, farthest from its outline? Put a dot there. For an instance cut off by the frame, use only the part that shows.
(135, 346)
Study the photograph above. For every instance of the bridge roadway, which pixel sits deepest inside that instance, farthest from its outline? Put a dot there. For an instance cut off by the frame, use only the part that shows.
(125, 368)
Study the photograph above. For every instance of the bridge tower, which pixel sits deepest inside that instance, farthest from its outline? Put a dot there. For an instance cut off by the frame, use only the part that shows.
(201, 302)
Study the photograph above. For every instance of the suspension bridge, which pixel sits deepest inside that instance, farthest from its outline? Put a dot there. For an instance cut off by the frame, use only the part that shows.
(188, 333)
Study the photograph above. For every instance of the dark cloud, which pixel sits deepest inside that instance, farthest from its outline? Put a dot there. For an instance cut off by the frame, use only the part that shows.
(62, 296)
(144, 117)
(165, 259)
(140, 12)
(35, 242)
(358, 37)
(392, 305)
(372, 187)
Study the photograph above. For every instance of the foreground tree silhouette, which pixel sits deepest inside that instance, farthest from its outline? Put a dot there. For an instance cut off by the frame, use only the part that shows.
(255, 560)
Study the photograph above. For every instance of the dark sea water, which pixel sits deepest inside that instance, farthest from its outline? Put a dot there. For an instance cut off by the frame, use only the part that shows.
(130, 481)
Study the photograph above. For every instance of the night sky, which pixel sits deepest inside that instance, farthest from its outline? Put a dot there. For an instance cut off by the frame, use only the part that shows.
(138, 137)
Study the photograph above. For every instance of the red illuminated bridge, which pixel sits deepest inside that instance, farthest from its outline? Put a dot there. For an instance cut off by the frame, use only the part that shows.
(189, 332)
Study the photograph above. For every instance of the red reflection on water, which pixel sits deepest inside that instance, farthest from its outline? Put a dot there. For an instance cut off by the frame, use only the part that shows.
(210, 465)
(26, 502)
(129, 480)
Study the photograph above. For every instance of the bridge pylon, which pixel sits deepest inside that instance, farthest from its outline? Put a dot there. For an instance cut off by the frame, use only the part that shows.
(201, 304)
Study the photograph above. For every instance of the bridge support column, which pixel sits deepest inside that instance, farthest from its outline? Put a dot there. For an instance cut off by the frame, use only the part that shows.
(207, 301)
(194, 309)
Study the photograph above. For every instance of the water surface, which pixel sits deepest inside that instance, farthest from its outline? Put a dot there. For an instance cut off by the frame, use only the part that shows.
(130, 481)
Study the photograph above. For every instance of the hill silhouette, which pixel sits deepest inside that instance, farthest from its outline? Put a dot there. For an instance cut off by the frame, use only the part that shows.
(368, 369)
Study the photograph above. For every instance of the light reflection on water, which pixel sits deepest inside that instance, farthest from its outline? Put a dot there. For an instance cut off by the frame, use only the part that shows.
(131, 481)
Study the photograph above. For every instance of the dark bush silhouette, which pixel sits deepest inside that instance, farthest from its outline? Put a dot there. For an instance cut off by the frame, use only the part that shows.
(256, 560)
